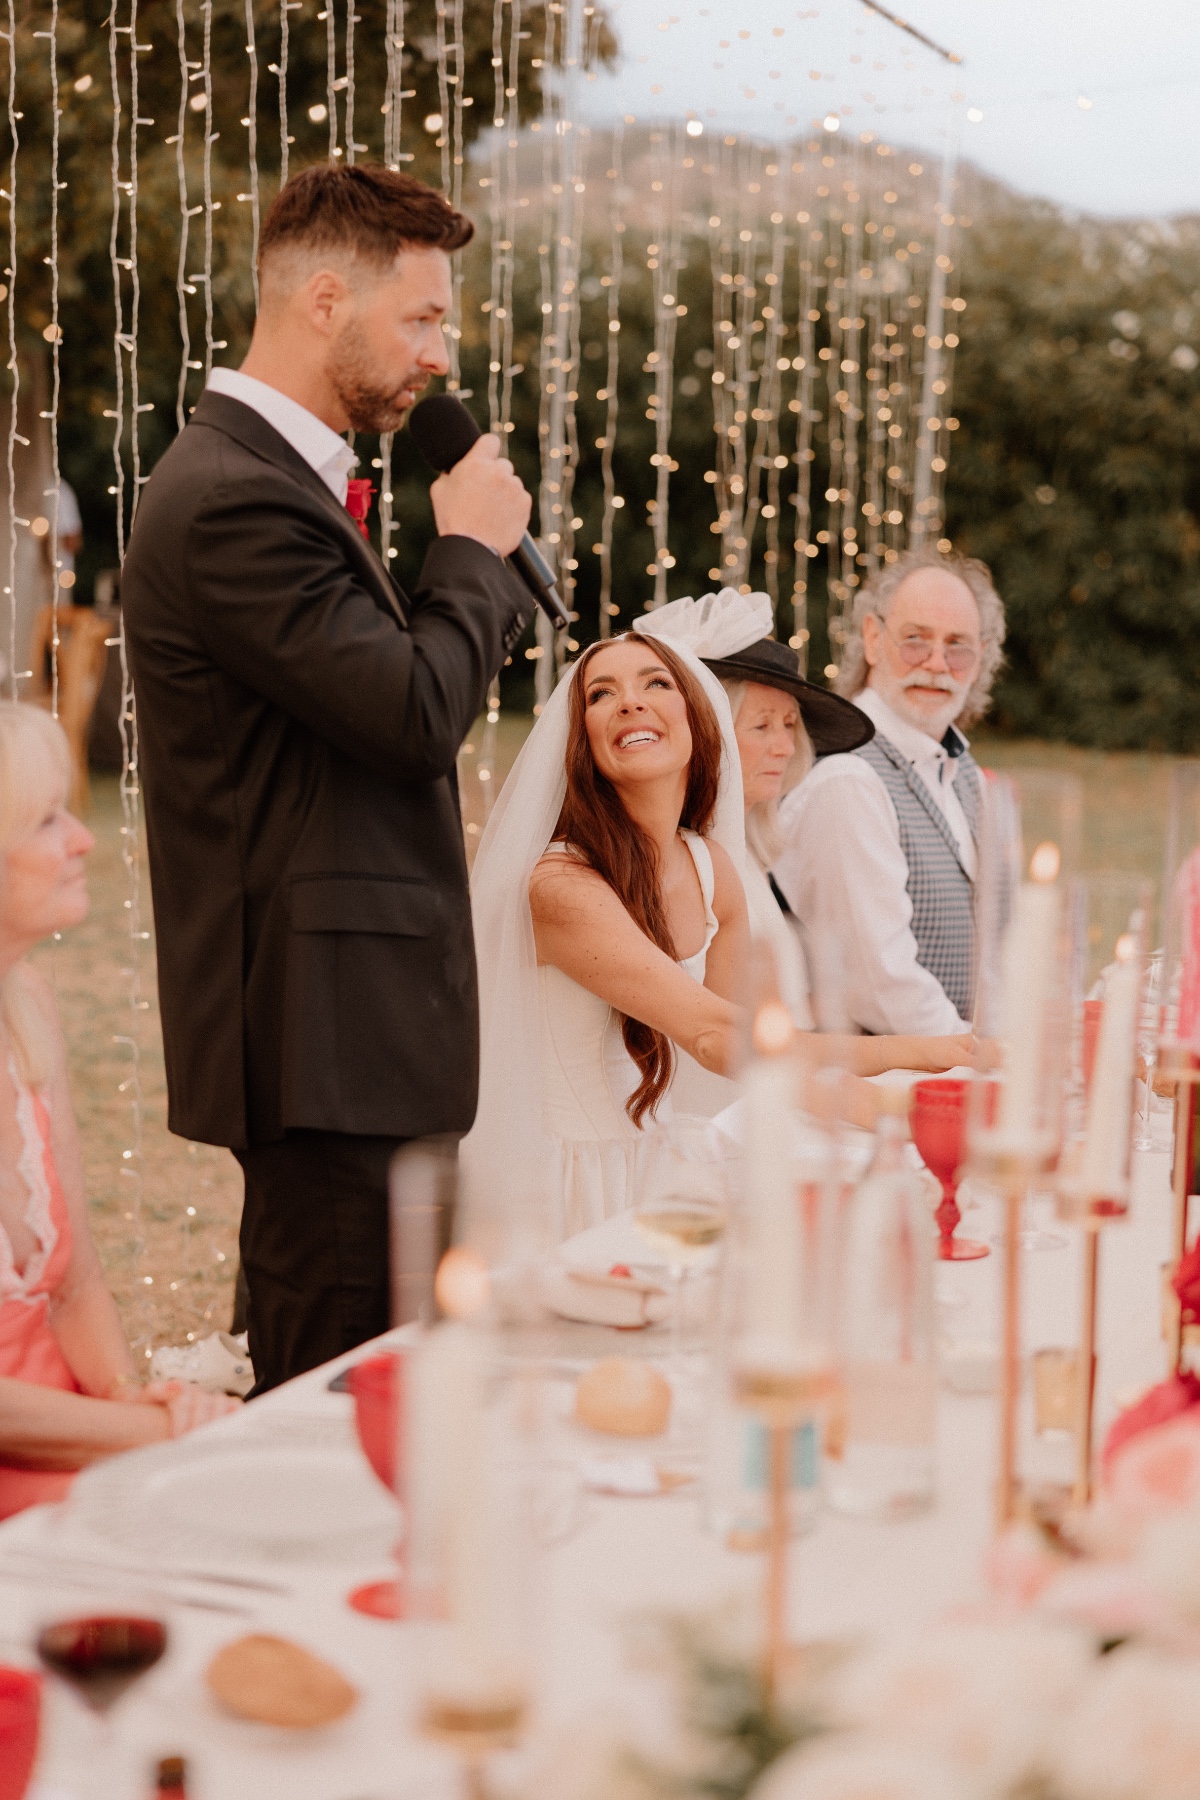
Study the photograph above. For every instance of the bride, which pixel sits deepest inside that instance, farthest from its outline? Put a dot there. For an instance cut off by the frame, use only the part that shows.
(610, 925)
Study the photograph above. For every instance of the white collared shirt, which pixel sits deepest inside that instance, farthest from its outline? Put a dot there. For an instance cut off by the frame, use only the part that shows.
(327, 454)
(845, 876)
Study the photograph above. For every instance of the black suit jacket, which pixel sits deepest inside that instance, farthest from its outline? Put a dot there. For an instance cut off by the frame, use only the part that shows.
(299, 719)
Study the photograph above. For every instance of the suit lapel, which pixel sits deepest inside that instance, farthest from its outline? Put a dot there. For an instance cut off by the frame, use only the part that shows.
(254, 433)
(922, 794)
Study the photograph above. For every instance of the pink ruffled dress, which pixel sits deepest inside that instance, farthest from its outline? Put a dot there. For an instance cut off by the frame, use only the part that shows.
(28, 1348)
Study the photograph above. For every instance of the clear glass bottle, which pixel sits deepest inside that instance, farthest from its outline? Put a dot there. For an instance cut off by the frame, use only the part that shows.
(886, 1341)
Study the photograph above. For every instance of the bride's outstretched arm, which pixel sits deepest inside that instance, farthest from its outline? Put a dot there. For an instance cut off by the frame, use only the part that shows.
(581, 927)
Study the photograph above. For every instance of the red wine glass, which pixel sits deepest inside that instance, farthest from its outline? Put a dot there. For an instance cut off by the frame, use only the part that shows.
(20, 1713)
(937, 1117)
(101, 1655)
(377, 1384)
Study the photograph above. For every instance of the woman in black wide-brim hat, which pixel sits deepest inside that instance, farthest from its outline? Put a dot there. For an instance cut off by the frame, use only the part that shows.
(783, 723)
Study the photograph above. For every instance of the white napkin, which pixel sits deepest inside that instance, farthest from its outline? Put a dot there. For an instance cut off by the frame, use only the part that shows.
(594, 1298)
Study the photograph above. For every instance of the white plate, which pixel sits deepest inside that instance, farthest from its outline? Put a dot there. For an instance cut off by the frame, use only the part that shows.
(234, 1498)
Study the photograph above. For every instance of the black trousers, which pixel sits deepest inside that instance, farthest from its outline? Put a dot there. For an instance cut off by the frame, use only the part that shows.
(314, 1245)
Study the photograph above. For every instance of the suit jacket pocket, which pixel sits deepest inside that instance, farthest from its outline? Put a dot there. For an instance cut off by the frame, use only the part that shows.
(367, 903)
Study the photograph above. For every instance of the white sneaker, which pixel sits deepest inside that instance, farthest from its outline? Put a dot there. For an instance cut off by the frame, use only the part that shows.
(220, 1364)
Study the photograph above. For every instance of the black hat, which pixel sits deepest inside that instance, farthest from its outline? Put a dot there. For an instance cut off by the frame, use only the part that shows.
(831, 722)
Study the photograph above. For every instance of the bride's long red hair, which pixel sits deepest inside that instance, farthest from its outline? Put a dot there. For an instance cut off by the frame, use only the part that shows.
(596, 826)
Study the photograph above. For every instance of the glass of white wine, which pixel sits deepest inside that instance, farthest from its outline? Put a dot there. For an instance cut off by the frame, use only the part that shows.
(681, 1214)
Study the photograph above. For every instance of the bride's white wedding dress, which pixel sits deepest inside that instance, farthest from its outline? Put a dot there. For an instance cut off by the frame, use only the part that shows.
(599, 1154)
(552, 1149)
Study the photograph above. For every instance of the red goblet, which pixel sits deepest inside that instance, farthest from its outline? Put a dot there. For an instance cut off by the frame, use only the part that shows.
(377, 1385)
(20, 1708)
(937, 1117)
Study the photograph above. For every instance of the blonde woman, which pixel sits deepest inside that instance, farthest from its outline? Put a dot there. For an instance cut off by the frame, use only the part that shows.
(69, 1393)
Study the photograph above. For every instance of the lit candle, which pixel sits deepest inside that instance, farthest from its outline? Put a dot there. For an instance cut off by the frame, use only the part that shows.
(452, 1532)
(1030, 948)
(1110, 1103)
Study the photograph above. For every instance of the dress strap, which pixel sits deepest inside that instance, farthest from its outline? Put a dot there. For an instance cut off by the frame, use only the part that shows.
(702, 857)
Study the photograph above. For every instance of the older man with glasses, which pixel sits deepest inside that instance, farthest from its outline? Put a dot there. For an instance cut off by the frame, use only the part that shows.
(882, 843)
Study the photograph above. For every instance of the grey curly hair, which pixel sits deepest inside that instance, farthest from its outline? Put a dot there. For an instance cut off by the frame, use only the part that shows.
(876, 597)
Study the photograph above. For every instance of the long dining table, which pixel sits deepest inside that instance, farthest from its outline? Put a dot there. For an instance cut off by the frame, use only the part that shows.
(218, 1530)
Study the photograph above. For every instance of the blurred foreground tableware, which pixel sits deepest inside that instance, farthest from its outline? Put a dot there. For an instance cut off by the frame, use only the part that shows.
(1030, 836)
(1179, 1040)
(471, 1569)
(1111, 914)
(423, 1196)
(102, 1657)
(623, 1398)
(275, 1682)
(937, 1118)
(886, 1340)
(377, 1385)
(20, 1715)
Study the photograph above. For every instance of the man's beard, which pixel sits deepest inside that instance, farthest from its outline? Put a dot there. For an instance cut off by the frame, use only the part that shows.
(368, 406)
(935, 724)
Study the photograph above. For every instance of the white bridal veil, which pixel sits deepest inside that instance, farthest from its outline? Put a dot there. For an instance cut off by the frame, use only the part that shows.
(507, 1159)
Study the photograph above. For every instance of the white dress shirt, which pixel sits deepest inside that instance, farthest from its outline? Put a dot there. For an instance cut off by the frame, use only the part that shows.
(845, 876)
(327, 454)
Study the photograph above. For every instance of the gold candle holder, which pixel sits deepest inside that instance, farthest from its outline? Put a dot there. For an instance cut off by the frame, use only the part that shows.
(781, 1400)
(1011, 1170)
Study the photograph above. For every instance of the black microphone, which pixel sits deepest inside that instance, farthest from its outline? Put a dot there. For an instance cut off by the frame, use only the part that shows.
(444, 431)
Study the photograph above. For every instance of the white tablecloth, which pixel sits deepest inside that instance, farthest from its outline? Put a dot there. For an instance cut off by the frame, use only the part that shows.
(624, 1556)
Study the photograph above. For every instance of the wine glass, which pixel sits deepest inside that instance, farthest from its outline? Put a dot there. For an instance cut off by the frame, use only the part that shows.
(20, 1713)
(377, 1385)
(680, 1212)
(937, 1117)
(100, 1655)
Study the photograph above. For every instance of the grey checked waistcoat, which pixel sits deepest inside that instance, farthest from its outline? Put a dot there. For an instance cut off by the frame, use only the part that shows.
(941, 891)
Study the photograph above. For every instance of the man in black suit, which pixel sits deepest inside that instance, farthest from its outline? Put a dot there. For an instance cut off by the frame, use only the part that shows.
(299, 719)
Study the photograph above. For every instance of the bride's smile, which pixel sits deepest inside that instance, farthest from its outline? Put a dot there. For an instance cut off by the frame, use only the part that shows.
(636, 718)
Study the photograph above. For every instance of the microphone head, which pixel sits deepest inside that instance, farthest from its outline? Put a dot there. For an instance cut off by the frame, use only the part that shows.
(443, 430)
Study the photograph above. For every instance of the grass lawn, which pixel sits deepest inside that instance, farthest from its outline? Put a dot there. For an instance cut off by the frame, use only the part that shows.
(165, 1217)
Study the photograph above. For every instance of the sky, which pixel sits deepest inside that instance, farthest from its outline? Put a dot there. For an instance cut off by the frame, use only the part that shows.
(1094, 104)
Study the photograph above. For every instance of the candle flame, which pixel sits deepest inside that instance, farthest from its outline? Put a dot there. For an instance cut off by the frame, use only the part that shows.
(1045, 863)
(462, 1284)
(773, 1028)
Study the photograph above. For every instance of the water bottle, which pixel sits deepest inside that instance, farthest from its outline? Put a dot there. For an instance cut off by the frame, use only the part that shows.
(886, 1341)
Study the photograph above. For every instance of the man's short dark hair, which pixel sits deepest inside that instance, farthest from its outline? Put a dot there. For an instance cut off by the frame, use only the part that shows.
(367, 211)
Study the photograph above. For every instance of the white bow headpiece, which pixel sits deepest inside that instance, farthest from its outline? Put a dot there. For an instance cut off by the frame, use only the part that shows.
(714, 626)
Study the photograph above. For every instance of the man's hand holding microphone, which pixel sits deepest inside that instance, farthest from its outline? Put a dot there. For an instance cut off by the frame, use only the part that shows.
(478, 494)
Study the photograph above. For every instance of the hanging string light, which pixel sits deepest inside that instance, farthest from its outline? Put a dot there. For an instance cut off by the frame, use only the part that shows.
(331, 109)
(765, 458)
(392, 106)
(53, 335)
(209, 207)
(251, 122)
(351, 20)
(10, 275)
(125, 344)
(804, 550)
(663, 259)
(284, 139)
(611, 391)
(182, 286)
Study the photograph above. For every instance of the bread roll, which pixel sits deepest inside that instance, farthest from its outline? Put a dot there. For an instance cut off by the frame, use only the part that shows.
(623, 1398)
(278, 1683)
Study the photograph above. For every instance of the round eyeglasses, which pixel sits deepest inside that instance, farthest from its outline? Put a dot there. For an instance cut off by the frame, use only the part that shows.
(917, 650)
